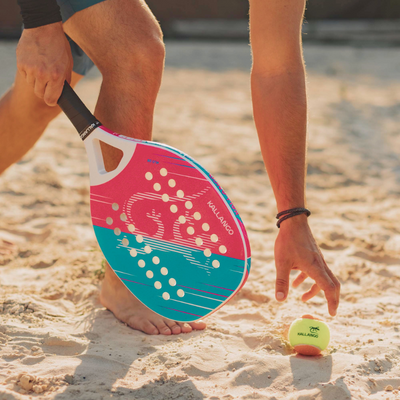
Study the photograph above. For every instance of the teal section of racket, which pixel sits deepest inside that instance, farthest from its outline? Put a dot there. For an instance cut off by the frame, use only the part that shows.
(171, 279)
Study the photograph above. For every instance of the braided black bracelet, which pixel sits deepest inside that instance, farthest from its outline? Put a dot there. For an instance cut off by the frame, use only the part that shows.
(284, 215)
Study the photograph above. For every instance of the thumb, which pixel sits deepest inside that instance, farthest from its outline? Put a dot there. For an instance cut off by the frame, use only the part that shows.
(282, 283)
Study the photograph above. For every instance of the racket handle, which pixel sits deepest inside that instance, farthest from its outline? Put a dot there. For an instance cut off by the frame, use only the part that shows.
(82, 119)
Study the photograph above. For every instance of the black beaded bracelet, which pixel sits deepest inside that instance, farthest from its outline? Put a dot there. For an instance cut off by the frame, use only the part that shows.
(284, 215)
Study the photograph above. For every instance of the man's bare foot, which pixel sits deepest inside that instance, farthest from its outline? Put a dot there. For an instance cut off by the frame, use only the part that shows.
(127, 308)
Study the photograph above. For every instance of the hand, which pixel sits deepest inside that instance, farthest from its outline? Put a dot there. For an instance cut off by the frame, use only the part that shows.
(295, 248)
(44, 58)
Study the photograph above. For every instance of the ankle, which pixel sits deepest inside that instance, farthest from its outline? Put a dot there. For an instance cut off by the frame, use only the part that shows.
(110, 277)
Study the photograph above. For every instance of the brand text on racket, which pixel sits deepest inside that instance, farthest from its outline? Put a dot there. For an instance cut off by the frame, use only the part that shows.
(222, 220)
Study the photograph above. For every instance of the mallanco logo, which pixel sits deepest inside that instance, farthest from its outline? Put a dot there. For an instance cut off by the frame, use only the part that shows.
(313, 332)
(221, 218)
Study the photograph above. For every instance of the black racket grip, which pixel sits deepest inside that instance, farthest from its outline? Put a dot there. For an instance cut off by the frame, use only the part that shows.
(82, 119)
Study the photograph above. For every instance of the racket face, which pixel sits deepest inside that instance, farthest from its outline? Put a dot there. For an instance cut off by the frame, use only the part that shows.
(170, 233)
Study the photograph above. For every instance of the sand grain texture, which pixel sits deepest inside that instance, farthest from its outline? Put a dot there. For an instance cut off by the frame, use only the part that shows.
(58, 342)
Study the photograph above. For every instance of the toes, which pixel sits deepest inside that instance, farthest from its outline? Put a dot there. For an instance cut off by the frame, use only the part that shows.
(162, 328)
(143, 325)
(186, 328)
(198, 325)
(175, 328)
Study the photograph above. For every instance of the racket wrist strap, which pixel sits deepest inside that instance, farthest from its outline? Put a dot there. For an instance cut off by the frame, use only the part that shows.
(82, 119)
(284, 215)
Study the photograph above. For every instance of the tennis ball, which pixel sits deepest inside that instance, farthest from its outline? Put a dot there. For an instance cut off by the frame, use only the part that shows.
(308, 335)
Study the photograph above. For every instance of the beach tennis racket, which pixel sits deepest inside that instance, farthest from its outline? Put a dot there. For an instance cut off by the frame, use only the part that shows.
(163, 223)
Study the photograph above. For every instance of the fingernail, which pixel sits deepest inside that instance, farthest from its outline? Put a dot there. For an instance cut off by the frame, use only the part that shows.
(280, 295)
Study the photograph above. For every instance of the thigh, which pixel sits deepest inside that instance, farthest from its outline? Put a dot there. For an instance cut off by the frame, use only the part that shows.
(114, 32)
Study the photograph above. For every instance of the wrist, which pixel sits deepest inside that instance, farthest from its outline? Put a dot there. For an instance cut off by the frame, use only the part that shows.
(48, 29)
(294, 222)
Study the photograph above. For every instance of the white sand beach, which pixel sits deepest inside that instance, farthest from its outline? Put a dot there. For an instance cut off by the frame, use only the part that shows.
(58, 342)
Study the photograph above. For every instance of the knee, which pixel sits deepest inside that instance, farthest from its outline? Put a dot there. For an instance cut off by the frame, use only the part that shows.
(142, 58)
(151, 55)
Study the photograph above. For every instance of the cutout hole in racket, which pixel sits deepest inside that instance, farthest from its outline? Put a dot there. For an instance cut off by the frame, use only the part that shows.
(111, 156)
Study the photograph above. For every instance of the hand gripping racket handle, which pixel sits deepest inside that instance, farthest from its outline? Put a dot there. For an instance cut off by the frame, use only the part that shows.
(82, 119)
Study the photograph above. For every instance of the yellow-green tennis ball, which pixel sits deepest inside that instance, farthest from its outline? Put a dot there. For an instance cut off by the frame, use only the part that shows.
(309, 336)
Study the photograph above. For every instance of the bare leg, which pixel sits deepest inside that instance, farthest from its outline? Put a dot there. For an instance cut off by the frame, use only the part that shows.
(124, 40)
(23, 119)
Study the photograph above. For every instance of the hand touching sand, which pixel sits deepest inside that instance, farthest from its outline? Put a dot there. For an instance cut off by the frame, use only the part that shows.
(295, 248)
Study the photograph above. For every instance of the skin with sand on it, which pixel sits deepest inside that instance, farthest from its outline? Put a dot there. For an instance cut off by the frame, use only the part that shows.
(57, 340)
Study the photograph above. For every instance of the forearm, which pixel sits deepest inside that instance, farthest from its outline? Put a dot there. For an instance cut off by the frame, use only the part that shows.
(280, 113)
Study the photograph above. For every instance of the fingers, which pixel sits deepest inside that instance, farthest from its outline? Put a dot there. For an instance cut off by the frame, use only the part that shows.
(39, 88)
(328, 285)
(30, 78)
(53, 92)
(282, 282)
(299, 279)
(314, 290)
(47, 88)
(337, 286)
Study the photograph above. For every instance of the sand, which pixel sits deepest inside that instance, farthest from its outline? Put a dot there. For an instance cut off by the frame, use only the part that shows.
(58, 342)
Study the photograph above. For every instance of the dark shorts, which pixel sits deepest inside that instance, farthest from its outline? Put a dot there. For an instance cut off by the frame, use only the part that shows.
(82, 63)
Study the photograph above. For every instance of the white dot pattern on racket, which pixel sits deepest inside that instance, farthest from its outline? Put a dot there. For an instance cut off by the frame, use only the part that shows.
(222, 249)
(205, 227)
(207, 252)
(141, 263)
(115, 206)
(171, 183)
(149, 176)
(165, 197)
(197, 216)
(157, 285)
(163, 172)
(109, 220)
(117, 231)
(149, 274)
(133, 253)
(131, 228)
(181, 238)
(173, 208)
(164, 271)
(156, 260)
(180, 193)
(147, 249)
(157, 187)
(182, 219)
(139, 238)
(166, 296)
(125, 241)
